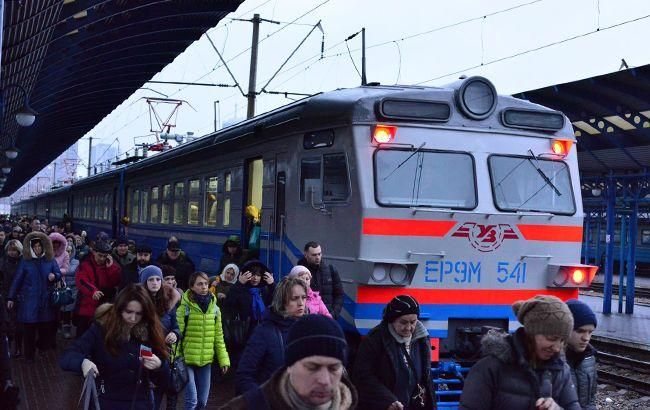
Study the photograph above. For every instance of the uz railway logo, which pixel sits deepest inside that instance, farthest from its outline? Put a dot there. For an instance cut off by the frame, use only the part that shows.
(485, 238)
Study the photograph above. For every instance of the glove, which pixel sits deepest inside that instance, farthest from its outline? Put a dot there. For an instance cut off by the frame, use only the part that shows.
(87, 366)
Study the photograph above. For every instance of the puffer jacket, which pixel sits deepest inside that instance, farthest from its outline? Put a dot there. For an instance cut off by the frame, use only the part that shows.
(61, 256)
(31, 287)
(264, 352)
(315, 304)
(326, 280)
(202, 333)
(583, 374)
(504, 379)
(91, 277)
(380, 375)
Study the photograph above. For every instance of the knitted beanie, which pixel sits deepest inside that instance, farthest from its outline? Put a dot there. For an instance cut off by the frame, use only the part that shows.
(297, 270)
(582, 314)
(401, 305)
(149, 271)
(315, 335)
(544, 315)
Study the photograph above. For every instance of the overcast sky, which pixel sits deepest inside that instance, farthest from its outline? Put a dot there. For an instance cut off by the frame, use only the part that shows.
(519, 45)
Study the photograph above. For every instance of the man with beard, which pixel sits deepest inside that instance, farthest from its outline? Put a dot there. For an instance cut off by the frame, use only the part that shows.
(173, 256)
(324, 278)
(131, 271)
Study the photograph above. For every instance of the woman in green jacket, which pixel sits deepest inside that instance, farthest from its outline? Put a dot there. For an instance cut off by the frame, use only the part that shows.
(199, 320)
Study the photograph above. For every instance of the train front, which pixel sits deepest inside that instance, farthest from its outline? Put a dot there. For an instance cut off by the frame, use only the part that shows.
(470, 202)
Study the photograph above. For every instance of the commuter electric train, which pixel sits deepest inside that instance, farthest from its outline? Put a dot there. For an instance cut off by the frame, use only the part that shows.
(463, 198)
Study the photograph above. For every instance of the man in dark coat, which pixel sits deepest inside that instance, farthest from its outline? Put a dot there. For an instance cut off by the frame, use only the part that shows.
(313, 374)
(324, 278)
(121, 253)
(131, 272)
(181, 262)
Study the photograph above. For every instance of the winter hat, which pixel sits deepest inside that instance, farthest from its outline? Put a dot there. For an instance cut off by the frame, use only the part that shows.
(315, 335)
(149, 271)
(544, 315)
(582, 314)
(297, 270)
(168, 271)
(173, 245)
(122, 241)
(102, 247)
(401, 305)
(143, 248)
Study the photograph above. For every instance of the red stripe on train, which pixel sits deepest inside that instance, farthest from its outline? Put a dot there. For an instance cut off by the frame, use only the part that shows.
(551, 233)
(406, 227)
(377, 294)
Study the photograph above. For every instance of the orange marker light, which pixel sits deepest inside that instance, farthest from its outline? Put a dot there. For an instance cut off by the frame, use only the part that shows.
(384, 134)
(578, 276)
(561, 147)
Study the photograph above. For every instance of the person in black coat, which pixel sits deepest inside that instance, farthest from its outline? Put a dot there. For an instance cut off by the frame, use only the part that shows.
(131, 271)
(180, 261)
(392, 370)
(324, 278)
(8, 266)
(250, 295)
(264, 352)
(524, 370)
(111, 348)
(231, 252)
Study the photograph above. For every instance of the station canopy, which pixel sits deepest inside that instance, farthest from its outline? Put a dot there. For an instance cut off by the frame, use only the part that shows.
(78, 60)
(610, 115)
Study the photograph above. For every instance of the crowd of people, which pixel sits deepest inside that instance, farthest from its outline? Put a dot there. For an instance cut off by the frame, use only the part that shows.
(276, 337)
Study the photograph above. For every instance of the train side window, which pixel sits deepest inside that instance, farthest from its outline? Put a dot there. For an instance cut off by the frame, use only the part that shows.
(310, 179)
(211, 203)
(226, 201)
(645, 237)
(135, 206)
(336, 186)
(194, 202)
(144, 210)
(318, 139)
(166, 196)
(179, 200)
(153, 207)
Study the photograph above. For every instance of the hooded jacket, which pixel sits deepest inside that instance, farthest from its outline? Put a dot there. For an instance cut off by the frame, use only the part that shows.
(584, 375)
(226, 259)
(504, 379)
(90, 278)
(379, 371)
(168, 319)
(31, 287)
(202, 334)
(61, 256)
(264, 352)
(315, 304)
(239, 301)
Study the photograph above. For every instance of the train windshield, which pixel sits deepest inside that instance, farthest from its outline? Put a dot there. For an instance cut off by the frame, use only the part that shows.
(425, 178)
(531, 184)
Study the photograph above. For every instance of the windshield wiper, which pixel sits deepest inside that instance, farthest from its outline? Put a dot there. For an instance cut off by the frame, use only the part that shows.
(542, 174)
(404, 162)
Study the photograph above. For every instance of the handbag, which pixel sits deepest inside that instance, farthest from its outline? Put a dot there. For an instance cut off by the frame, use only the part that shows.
(89, 392)
(235, 331)
(61, 294)
(179, 375)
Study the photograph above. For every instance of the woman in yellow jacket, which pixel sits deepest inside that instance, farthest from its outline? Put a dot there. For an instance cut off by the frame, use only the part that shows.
(199, 320)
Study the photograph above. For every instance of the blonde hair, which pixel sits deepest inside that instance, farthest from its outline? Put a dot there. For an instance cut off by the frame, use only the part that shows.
(283, 292)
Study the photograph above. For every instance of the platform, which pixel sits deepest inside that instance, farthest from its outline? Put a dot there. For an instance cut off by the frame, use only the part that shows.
(633, 329)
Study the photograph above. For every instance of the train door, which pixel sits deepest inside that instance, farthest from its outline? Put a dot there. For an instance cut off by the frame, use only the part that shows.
(114, 214)
(252, 196)
(279, 216)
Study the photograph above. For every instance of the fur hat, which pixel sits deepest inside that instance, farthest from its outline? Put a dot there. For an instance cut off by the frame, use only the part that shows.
(544, 315)
(399, 306)
(315, 335)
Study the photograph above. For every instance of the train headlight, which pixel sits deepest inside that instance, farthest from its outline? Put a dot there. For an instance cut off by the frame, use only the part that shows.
(477, 98)
(380, 272)
(398, 274)
(572, 276)
(383, 134)
(561, 147)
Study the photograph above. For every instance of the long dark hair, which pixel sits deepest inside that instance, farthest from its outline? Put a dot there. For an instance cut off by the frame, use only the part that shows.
(117, 330)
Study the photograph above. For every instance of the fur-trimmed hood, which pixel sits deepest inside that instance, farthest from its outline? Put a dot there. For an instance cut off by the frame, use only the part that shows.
(57, 237)
(173, 296)
(48, 252)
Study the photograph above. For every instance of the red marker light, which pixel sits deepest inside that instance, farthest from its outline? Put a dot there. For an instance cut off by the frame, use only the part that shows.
(578, 276)
(561, 147)
(384, 134)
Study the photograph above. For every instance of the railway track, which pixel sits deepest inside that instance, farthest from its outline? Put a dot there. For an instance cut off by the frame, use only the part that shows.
(638, 292)
(623, 366)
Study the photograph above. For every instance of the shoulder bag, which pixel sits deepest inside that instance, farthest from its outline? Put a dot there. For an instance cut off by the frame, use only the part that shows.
(61, 295)
(179, 375)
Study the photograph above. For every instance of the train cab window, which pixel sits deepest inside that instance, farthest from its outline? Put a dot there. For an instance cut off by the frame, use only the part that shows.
(336, 186)
(318, 139)
(179, 201)
(144, 209)
(135, 206)
(153, 209)
(423, 178)
(310, 179)
(166, 196)
(645, 236)
(226, 201)
(211, 203)
(530, 184)
(194, 203)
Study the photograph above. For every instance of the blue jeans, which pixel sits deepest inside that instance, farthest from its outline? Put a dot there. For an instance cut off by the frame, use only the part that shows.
(198, 387)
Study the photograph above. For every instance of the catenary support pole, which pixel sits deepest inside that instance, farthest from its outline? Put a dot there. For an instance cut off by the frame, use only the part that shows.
(621, 262)
(631, 263)
(252, 78)
(609, 249)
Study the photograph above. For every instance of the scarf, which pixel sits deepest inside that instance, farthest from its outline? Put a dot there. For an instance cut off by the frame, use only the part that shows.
(341, 400)
(406, 341)
(223, 273)
(202, 300)
(257, 304)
